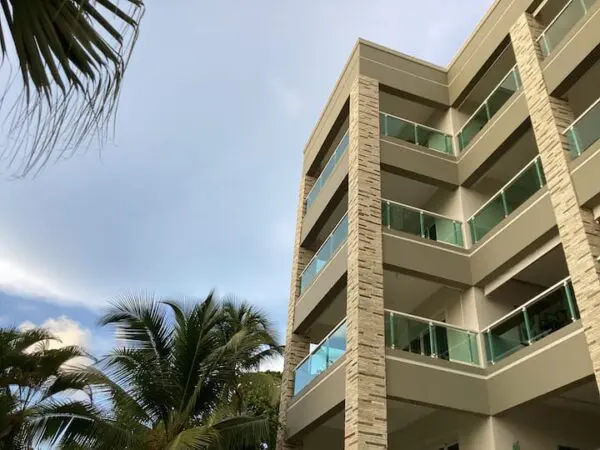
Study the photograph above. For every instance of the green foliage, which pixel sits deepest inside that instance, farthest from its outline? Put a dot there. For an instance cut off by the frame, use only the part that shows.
(37, 384)
(175, 382)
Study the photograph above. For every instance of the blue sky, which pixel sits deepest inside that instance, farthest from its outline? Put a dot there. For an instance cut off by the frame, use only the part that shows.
(199, 188)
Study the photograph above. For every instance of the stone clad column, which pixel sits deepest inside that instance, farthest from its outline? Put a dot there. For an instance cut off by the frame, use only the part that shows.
(579, 233)
(296, 346)
(365, 406)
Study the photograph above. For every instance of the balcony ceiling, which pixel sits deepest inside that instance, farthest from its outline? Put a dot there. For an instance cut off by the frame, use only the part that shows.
(405, 190)
(400, 415)
(404, 293)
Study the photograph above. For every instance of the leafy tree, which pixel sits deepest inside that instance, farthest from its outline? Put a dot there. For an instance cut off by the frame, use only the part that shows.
(258, 394)
(37, 384)
(71, 56)
(173, 383)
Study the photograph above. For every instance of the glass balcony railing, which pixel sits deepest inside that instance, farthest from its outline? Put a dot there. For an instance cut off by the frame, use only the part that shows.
(415, 133)
(550, 311)
(564, 21)
(399, 217)
(321, 357)
(431, 338)
(327, 170)
(324, 254)
(584, 131)
(490, 106)
(516, 192)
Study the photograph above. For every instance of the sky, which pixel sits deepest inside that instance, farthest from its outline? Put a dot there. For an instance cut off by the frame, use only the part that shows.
(198, 188)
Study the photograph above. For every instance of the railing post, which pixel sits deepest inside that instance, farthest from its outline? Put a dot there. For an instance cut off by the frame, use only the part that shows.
(473, 230)
(422, 223)
(490, 346)
(432, 340)
(416, 134)
(504, 204)
(392, 331)
(538, 171)
(570, 300)
(527, 325)
(487, 111)
(387, 215)
(517, 77)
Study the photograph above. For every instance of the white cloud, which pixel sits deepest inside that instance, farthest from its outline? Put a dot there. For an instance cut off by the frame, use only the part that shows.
(291, 101)
(16, 280)
(67, 331)
(273, 364)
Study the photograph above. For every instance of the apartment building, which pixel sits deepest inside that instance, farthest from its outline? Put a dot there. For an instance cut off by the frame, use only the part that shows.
(445, 285)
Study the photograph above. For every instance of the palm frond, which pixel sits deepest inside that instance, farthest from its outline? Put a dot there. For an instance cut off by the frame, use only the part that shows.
(140, 321)
(71, 56)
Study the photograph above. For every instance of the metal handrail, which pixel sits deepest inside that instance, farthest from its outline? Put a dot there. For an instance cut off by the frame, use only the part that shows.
(325, 165)
(421, 210)
(503, 188)
(528, 303)
(310, 353)
(431, 321)
(323, 244)
(581, 116)
(415, 123)
(493, 91)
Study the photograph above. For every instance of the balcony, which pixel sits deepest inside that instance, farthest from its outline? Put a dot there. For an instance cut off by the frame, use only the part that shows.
(553, 309)
(327, 352)
(415, 133)
(431, 338)
(324, 254)
(490, 106)
(427, 225)
(584, 131)
(516, 192)
(564, 21)
(327, 170)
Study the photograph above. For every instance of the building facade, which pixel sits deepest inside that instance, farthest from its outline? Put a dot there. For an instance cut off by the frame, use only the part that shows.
(445, 289)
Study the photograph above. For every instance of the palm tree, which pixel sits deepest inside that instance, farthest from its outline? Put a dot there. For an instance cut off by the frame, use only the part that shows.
(71, 56)
(173, 382)
(37, 384)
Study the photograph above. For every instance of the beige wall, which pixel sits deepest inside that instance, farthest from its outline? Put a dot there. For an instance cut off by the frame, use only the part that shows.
(535, 428)
(445, 304)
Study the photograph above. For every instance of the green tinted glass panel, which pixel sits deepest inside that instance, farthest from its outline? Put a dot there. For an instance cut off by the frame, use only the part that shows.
(435, 140)
(404, 219)
(564, 22)
(442, 230)
(325, 253)
(327, 170)
(456, 345)
(472, 127)
(502, 93)
(408, 335)
(400, 129)
(548, 315)
(491, 215)
(524, 186)
(321, 358)
(585, 132)
(506, 338)
(420, 223)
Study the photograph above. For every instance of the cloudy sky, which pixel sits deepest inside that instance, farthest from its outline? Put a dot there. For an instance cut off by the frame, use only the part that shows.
(198, 190)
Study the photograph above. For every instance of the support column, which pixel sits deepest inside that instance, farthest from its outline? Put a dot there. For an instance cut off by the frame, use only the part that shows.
(296, 346)
(579, 233)
(365, 406)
